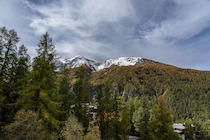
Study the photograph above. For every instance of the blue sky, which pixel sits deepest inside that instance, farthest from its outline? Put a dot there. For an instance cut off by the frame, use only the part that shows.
(175, 32)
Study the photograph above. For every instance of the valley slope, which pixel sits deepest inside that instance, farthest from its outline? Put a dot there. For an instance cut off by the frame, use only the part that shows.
(187, 91)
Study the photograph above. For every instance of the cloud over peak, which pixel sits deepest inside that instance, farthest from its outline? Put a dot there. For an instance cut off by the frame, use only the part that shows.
(170, 31)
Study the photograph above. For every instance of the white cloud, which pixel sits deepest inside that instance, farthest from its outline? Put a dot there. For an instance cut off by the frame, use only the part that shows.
(191, 17)
(86, 15)
(91, 48)
(101, 29)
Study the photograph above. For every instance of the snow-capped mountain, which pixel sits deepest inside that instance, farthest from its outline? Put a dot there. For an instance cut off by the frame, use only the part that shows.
(122, 61)
(78, 61)
(59, 64)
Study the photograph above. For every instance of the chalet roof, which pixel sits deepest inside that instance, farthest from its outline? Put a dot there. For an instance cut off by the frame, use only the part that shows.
(179, 126)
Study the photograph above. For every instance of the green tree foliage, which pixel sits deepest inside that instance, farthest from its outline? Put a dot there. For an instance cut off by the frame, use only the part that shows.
(23, 67)
(8, 50)
(40, 94)
(82, 96)
(66, 95)
(130, 109)
(109, 108)
(126, 117)
(26, 125)
(153, 79)
(116, 112)
(2, 98)
(8, 64)
(103, 96)
(202, 129)
(162, 122)
(190, 129)
(142, 119)
(22, 72)
(93, 132)
(73, 130)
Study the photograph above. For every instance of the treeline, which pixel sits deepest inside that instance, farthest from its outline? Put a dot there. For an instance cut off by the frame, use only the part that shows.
(37, 102)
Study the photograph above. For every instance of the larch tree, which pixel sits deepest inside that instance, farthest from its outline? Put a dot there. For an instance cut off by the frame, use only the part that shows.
(162, 122)
(82, 96)
(108, 112)
(190, 129)
(40, 95)
(104, 109)
(73, 129)
(65, 92)
(126, 116)
(116, 110)
(93, 132)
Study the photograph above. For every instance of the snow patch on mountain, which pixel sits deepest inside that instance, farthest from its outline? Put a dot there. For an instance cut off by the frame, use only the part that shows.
(78, 61)
(122, 61)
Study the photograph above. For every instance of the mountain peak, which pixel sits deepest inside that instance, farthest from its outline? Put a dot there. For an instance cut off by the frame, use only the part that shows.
(77, 57)
(121, 61)
(79, 60)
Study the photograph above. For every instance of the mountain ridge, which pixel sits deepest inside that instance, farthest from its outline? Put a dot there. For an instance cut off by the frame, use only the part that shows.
(78, 61)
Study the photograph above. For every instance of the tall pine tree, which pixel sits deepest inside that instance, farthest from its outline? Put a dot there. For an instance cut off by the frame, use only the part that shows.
(8, 64)
(65, 92)
(23, 67)
(104, 106)
(82, 96)
(162, 122)
(40, 95)
(21, 73)
(109, 108)
(141, 119)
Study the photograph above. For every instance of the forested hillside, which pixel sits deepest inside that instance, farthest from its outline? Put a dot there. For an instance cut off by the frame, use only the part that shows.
(187, 91)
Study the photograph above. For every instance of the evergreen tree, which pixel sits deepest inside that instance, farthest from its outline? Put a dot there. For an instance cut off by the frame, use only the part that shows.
(82, 96)
(162, 122)
(8, 64)
(23, 67)
(21, 75)
(116, 111)
(202, 129)
(141, 119)
(40, 94)
(93, 132)
(108, 111)
(126, 116)
(8, 51)
(72, 130)
(190, 129)
(65, 93)
(104, 107)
